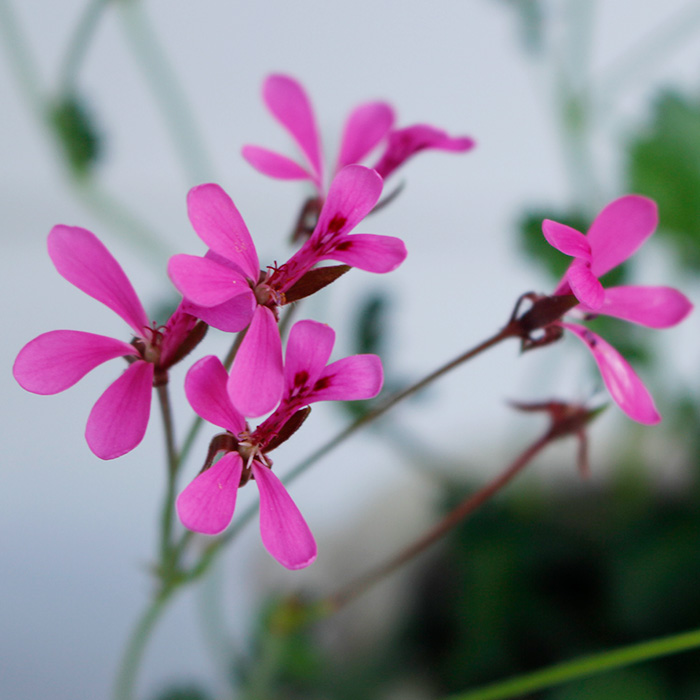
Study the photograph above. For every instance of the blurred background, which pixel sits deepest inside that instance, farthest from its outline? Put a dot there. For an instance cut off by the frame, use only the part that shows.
(572, 103)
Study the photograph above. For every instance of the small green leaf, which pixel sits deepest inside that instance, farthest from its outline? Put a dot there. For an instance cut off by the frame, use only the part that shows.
(77, 134)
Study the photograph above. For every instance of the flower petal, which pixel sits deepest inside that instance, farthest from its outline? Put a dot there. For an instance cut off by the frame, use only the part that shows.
(231, 316)
(256, 379)
(205, 388)
(566, 239)
(56, 360)
(118, 421)
(366, 126)
(82, 259)
(207, 503)
(283, 530)
(204, 281)
(619, 230)
(369, 252)
(626, 388)
(654, 307)
(274, 165)
(308, 349)
(289, 104)
(219, 224)
(350, 379)
(585, 285)
(404, 143)
(352, 195)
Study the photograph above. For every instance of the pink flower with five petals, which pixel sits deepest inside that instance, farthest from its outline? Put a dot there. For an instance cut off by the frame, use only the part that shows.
(55, 361)
(227, 289)
(208, 503)
(367, 126)
(616, 234)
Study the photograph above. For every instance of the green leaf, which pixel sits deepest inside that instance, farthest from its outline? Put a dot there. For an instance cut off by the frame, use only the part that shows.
(75, 129)
(664, 164)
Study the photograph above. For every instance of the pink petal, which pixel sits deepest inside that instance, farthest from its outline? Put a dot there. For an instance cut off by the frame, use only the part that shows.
(369, 252)
(56, 360)
(206, 282)
(85, 262)
(283, 530)
(404, 143)
(622, 382)
(350, 379)
(256, 380)
(352, 195)
(219, 224)
(275, 165)
(585, 285)
(366, 126)
(308, 349)
(231, 316)
(619, 230)
(118, 421)
(289, 104)
(654, 307)
(205, 388)
(207, 504)
(567, 240)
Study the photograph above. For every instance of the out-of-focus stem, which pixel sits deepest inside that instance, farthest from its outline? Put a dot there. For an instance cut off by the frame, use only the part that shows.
(125, 686)
(452, 519)
(77, 48)
(583, 667)
(173, 104)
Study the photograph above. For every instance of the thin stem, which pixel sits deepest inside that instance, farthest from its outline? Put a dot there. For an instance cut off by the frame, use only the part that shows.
(125, 685)
(169, 498)
(348, 593)
(79, 44)
(646, 53)
(212, 549)
(584, 667)
(21, 60)
(174, 106)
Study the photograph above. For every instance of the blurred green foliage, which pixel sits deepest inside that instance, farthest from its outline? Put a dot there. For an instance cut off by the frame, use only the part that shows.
(77, 134)
(529, 581)
(664, 164)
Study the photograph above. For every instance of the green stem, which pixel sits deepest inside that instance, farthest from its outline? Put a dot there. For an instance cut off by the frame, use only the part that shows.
(125, 685)
(173, 104)
(79, 44)
(166, 561)
(584, 667)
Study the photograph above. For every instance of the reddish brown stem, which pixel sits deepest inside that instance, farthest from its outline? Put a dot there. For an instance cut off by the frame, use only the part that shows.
(452, 519)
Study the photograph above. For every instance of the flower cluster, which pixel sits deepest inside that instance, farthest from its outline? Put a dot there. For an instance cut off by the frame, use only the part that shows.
(227, 289)
(207, 504)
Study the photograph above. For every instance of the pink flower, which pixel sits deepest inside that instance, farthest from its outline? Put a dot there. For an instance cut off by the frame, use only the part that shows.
(208, 503)
(57, 360)
(617, 232)
(367, 126)
(227, 289)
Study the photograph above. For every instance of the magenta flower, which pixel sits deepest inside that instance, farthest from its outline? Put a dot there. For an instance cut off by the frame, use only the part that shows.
(227, 289)
(617, 232)
(208, 503)
(55, 361)
(367, 126)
